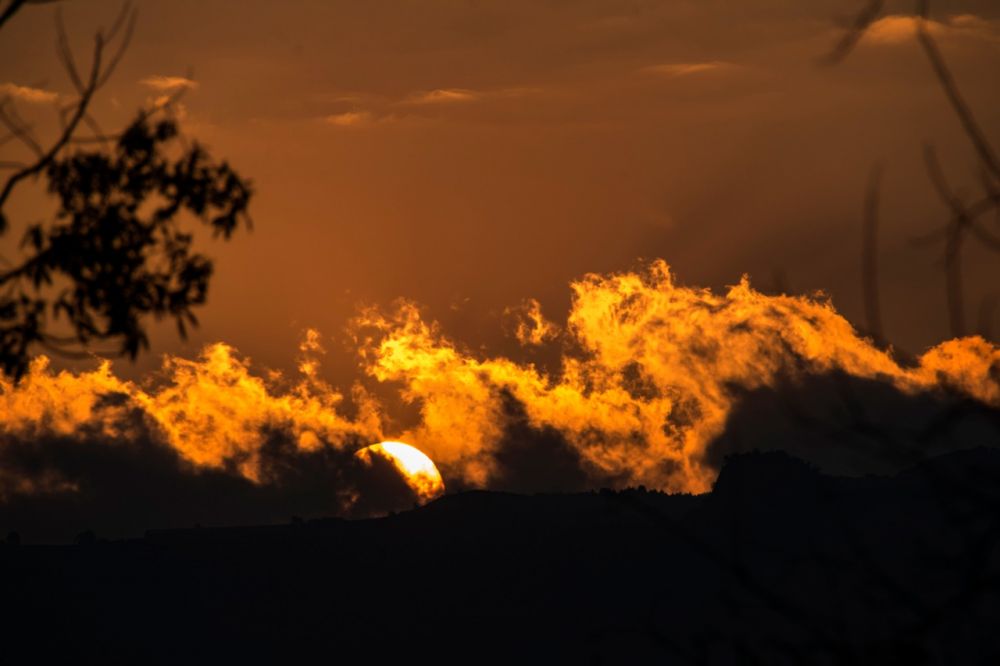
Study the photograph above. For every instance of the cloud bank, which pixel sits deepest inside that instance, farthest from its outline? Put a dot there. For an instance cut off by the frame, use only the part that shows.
(657, 383)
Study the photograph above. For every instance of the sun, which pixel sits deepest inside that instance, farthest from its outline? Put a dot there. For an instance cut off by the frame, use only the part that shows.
(419, 471)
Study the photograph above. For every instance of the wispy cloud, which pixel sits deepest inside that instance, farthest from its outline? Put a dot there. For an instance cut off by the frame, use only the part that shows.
(168, 83)
(451, 96)
(28, 94)
(900, 28)
(443, 96)
(353, 119)
(687, 68)
(372, 110)
(166, 90)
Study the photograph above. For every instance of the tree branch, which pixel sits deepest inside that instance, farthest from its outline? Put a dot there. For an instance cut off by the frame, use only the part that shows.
(947, 81)
(81, 110)
(869, 268)
(10, 11)
(862, 21)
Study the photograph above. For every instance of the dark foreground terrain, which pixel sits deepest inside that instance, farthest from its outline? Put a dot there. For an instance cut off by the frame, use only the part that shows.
(779, 564)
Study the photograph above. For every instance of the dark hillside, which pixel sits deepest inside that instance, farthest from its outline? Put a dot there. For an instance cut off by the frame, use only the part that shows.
(779, 562)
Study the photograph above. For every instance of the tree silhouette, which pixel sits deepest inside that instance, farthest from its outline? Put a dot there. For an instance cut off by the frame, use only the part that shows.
(966, 215)
(115, 251)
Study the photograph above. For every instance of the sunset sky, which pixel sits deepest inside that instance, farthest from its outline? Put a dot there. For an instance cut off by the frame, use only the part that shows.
(526, 246)
(471, 154)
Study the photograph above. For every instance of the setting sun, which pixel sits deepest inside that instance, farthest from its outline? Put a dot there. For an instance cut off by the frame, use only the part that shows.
(419, 471)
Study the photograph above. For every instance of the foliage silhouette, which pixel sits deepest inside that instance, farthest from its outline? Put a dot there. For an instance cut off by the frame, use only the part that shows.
(115, 252)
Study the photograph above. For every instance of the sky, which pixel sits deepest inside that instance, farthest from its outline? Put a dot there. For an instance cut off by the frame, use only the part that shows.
(547, 243)
(470, 155)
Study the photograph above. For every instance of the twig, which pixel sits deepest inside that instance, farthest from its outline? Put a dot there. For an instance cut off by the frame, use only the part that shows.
(10, 11)
(873, 312)
(18, 128)
(950, 87)
(987, 311)
(953, 242)
(87, 92)
(854, 33)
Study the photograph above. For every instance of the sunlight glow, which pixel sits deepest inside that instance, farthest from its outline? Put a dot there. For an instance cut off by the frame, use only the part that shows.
(419, 471)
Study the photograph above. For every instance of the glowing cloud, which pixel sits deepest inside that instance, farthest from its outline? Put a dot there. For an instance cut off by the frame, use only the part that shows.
(662, 366)
(28, 94)
(350, 119)
(650, 372)
(687, 68)
(900, 28)
(212, 410)
(168, 83)
(443, 96)
(530, 326)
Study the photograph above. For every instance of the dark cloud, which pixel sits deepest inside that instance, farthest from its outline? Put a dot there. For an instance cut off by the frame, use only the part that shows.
(852, 425)
(56, 487)
(534, 459)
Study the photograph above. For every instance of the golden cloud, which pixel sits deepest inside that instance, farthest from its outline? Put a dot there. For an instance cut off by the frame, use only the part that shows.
(443, 96)
(649, 375)
(350, 119)
(168, 83)
(28, 94)
(530, 327)
(687, 68)
(899, 28)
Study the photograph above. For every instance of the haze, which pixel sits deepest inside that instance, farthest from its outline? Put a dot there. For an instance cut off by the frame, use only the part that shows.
(469, 155)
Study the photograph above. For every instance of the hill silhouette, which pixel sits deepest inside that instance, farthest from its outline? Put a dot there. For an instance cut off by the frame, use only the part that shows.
(779, 564)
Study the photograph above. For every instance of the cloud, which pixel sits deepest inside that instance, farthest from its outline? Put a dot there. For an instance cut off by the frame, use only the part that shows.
(415, 106)
(443, 96)
(529, 326)
(463, 95)
(351, 119)
(28, 94)
(166, 91)
(56, 486)
(214, 445)
(657, 382)
(168, 83)
(901, 28)
(687, 68)
(654, 371)
(852, 425)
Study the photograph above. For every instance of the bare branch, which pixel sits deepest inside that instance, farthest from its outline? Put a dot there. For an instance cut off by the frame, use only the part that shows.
(119, 21)
(97, 138)
(953, 279)
(992, 192)
(18, 128)
(99, 135)
(987, 312)
(862, 21)
(950, 87)
(66, 53)
(873, 311)
(928, 238)
(81, 110)
(953, 242)
(10, 11)
(123, 44)
(50, 344)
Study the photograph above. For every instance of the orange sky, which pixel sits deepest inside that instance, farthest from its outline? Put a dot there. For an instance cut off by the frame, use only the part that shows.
(471, 154)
